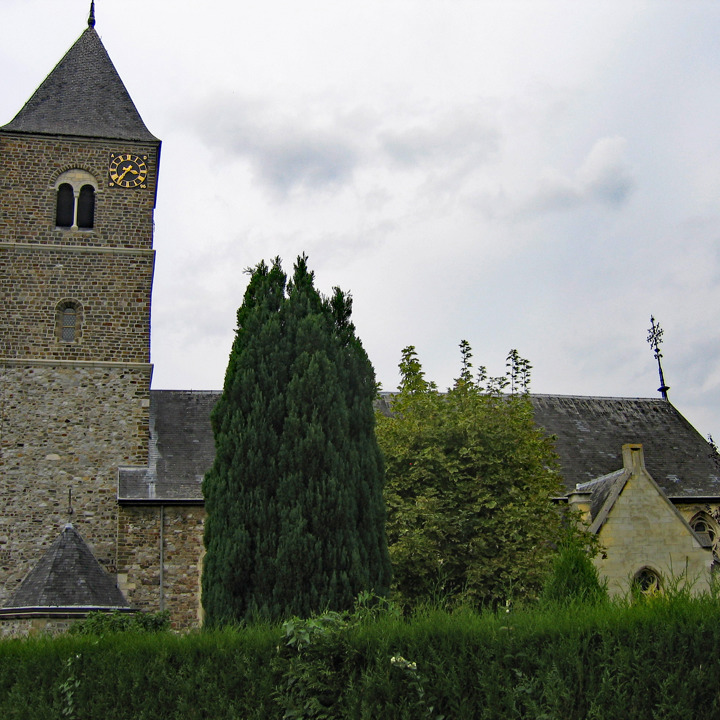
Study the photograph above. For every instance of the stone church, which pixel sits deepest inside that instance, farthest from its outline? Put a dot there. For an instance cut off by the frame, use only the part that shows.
(100, 476)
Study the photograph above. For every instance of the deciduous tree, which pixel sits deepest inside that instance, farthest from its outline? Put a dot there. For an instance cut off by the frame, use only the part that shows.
(470, 482)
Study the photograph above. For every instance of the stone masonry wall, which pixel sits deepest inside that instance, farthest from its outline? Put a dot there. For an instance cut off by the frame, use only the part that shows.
(106, 270)
(25, 627)
(65, 426)
(139, 558)
(112, 288)
(29, 168)
(71, 411)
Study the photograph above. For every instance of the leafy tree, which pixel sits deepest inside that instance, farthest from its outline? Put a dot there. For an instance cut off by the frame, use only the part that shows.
(469, 484)
(296, 520)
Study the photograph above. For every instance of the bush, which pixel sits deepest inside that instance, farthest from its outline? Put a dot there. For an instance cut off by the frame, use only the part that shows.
(574, 578)
(616, 659)
(102, 623)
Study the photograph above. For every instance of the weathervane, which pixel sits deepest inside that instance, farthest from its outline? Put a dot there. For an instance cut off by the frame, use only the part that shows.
(654, 337)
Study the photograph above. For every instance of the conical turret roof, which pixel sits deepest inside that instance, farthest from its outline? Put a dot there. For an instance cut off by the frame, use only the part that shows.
(67, 576)
(83, 95)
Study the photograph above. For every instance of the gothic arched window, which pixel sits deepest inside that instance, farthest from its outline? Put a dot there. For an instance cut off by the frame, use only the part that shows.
(703, 524)
(67, 320)
(75, 208)
(647, 581)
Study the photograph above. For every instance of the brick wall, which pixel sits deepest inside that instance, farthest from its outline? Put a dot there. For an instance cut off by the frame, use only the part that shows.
(112, 288)
(29, 168)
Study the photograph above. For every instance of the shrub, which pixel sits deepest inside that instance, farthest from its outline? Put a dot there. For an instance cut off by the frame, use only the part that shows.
(102, 623)
(573, 578)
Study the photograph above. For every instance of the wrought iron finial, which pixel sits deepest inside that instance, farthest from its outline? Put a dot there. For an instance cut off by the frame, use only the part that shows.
(91, 17)
(69, 507)
(654, 338)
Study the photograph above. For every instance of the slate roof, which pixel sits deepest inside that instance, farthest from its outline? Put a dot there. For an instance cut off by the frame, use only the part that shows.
(600, 489)
(67, 576)
(83, 95)
(589, 434)
(182, 449)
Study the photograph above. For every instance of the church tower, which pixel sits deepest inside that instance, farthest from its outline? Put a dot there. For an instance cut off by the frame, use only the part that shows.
(78, 175)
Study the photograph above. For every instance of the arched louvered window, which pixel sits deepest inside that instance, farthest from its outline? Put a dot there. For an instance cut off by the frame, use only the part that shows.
(86, 207)
(705, 525)
(75, 209)
(65, 210)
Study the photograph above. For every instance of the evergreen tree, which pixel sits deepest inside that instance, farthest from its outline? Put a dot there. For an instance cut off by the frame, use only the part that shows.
(295, 513)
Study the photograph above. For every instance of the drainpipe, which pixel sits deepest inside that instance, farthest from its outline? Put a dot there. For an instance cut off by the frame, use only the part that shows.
(162, 557)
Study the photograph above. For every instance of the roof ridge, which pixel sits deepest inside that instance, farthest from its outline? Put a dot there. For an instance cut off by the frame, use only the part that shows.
(599, 397)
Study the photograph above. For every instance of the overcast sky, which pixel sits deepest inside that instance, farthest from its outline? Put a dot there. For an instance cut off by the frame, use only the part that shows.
(539, 175)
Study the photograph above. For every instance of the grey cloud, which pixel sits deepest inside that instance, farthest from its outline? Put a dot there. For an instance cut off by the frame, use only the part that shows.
(605, 174)
(315, 147)
(313, 162)
(286, 152)
(603, 177)
(465, 138)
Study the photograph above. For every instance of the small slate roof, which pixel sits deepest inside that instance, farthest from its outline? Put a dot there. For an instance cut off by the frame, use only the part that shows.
(83, 95)
(182, 449)
(589, 433)
(67, 576)
(600, 489)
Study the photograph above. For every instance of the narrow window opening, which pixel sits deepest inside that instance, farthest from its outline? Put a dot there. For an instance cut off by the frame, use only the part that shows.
(65, 211)
(86, 207)
(68, 321)
(68, 324)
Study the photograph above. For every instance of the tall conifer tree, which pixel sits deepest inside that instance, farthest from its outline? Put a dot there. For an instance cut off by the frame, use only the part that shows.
(295, 513)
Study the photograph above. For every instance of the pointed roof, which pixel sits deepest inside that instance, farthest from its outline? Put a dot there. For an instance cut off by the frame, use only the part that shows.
(605, 491)
(67, 576)
(83, 95)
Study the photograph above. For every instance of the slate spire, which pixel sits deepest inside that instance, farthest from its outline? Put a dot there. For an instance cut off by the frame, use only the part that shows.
(83, 95)
(68, 575)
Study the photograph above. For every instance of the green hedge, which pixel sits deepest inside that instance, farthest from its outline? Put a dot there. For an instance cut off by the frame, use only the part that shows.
(654, 659)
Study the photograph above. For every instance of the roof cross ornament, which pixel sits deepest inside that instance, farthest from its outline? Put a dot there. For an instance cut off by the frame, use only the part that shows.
(69, 507)
(91, 17)
(654, 337)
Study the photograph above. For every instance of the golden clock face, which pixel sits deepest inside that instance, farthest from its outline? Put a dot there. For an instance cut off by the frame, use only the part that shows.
(128, 171)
